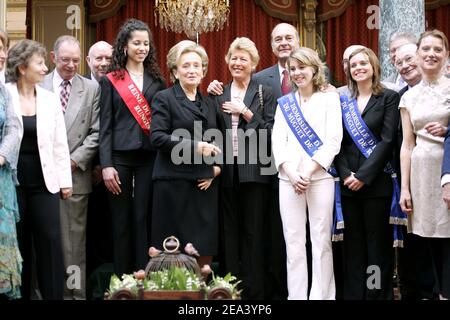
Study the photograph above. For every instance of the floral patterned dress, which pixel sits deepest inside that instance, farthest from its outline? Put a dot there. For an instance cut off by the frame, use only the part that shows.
(10, 258)
(428, 102)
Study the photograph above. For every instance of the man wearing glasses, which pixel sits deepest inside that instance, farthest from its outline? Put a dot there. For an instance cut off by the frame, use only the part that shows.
(79, 100)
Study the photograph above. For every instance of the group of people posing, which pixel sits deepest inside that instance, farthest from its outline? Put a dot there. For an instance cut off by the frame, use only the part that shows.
(247, 174)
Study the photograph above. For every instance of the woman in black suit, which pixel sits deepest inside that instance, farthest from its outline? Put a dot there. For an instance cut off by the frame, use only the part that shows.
(126, 154)
(246, 119)
(366, 188)
(185, 192)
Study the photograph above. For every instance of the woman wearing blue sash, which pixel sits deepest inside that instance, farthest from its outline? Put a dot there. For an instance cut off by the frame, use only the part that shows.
(126, 154)
(306, 137)
(425, 111)
(370, 116)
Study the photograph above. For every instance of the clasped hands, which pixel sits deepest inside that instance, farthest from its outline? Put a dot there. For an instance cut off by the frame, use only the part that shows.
(353, 183)
(300, 182)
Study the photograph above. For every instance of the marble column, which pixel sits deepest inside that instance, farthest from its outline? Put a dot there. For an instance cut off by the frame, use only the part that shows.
(398, 16)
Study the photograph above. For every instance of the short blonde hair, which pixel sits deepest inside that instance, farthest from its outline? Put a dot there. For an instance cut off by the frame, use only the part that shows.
(182, 47)
(244, 44)
(310, 58)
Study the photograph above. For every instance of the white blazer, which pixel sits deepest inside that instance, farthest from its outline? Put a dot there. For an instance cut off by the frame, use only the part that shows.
(323, 113)
(51, 137)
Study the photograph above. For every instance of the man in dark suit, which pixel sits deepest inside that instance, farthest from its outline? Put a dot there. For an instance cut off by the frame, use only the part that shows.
(81, 119)
(99, 225)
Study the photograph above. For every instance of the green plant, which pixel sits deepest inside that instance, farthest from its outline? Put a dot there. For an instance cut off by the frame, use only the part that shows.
(229, 281)
(174, 278)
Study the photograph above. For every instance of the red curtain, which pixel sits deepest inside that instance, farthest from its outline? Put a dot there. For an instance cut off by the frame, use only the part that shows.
(348, 29)
(245, 19)
(439, 18)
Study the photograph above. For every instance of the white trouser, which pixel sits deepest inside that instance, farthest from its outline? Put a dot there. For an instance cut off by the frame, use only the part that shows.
(319, 199)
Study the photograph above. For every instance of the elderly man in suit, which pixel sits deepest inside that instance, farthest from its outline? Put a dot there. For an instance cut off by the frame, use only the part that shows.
(99, 59)
(79, 99)
(397, 40)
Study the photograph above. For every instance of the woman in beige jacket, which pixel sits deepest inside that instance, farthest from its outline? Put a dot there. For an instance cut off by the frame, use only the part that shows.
(43, 168)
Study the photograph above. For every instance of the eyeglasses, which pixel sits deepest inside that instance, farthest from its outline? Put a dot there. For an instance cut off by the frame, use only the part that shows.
(65, 60)
(408, 60)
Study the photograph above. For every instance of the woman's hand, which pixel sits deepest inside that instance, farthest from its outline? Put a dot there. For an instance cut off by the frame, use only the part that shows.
(2, 161)
(65, 193)
(446, 194)
(207, 149)
(406, 201)
(353, 183)
(436, 129)
(111, 179)
(204, 184)
(233, 107)
(299, 183)
(215, 88)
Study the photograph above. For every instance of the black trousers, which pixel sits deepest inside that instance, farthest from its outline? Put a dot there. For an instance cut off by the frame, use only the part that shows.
(368, 252)
(99, 241)
(440, 251)
(39, 229)
(130, 212)
(244, 208)
(276, 274)
(415, 266)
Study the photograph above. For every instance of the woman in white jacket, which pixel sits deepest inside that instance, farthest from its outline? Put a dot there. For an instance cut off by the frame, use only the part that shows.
(43, 168)
(306, 136)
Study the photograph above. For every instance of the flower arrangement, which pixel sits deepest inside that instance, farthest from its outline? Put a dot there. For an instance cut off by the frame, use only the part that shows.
(173, 279)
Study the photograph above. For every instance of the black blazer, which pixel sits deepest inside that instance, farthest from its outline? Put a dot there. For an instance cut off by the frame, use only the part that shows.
(270, 77)
(381, 116)
(261, 123)
(172, 110)
(119, 130)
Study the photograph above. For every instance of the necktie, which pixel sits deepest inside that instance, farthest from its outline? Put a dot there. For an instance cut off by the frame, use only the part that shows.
(64, 94)
(285, 87)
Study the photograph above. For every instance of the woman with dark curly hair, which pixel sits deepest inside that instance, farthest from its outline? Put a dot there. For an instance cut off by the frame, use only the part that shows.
(126, 154)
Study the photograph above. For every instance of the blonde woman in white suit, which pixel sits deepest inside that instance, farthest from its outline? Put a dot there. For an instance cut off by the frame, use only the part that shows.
(304, 180)
(44, 172)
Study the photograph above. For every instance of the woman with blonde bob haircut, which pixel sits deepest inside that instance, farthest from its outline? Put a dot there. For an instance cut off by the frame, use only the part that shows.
(245, 117)
(305, 184)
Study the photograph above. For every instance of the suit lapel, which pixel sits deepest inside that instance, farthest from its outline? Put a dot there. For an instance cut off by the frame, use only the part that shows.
(370, 104)
(226, 97)
(275, 81)
(252, 90)
(148, 81)
(74, 103)
(180, 95)
(48, 82)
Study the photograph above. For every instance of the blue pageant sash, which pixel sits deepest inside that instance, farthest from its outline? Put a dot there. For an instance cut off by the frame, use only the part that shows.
(311, 143)
(366, 142)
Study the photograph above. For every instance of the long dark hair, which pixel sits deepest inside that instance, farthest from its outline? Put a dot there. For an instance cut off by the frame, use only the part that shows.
(119, 59)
